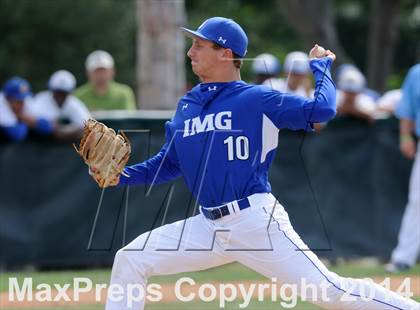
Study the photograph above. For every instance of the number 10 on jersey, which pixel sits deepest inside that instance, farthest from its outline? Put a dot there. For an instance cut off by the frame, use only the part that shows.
(237, 147)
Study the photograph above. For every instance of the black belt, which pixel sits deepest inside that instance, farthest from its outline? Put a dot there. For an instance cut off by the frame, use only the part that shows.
(219, 212)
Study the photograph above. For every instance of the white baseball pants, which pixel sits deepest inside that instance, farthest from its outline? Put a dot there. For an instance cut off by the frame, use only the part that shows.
(408, 247)
(261, 238)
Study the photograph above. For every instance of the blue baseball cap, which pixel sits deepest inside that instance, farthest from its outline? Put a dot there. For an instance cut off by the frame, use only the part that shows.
(222, 31)
(17, 88)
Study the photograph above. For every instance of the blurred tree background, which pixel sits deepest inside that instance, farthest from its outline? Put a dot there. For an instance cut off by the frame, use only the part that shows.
(39, 37)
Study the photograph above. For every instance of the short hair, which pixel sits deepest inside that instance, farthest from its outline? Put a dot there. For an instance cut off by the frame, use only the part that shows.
(237, 61)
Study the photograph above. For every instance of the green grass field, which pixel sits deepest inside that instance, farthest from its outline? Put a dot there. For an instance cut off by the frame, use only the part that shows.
(225, 274)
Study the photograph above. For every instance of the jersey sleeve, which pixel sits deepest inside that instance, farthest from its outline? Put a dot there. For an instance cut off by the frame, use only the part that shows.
(161, 168)
(296, 112)
(405, 108)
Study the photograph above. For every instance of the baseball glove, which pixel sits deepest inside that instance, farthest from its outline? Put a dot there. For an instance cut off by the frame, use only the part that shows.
(105, 152)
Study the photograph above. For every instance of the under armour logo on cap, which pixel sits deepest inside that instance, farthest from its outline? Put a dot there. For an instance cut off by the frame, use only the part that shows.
(222, 40)
(212, 88)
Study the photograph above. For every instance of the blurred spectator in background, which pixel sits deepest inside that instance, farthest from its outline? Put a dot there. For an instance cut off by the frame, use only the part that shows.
(101, 92)
(296, 70)
(367, 91)
(351, 101)
(15, 112)
(405, 254)
(60, 107)
(266, 68)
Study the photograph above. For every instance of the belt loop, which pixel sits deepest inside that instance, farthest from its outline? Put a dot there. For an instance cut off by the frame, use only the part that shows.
(234, 205)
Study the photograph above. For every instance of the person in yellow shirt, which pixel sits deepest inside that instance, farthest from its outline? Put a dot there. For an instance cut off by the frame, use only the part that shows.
(101, 92)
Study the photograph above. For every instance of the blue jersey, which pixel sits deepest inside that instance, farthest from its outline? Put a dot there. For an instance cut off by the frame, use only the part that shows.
(223, 136)
(409, 107)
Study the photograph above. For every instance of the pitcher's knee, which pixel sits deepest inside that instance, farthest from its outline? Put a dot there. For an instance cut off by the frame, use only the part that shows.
(130, 263)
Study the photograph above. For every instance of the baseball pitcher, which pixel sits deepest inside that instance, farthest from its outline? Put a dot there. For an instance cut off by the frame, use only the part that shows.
(221, 141)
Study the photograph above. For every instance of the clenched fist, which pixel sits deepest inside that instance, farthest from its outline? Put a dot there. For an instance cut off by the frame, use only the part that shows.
(319, 52)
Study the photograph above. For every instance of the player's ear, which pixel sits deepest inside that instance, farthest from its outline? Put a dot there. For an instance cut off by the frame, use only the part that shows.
(227, 54)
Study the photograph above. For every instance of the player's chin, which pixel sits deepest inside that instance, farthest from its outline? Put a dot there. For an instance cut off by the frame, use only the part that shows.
(195, 68)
